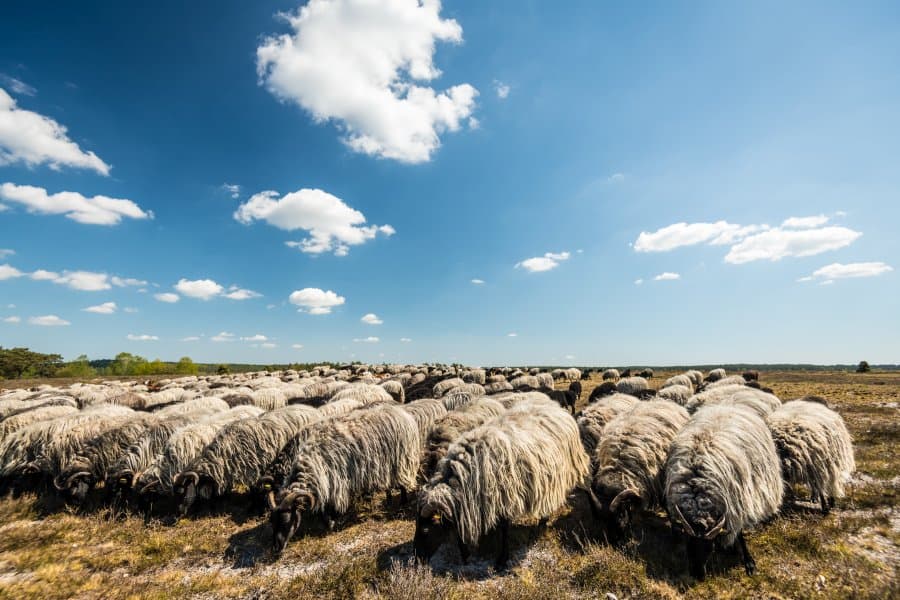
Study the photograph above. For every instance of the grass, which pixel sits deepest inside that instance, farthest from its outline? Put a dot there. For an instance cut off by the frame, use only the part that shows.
(852, 553)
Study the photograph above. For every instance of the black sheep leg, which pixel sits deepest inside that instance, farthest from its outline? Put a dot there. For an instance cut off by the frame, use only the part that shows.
(698, 552)
(826, 504)
(463, 550)
(403, 497)
(749, 563)
(503, 557)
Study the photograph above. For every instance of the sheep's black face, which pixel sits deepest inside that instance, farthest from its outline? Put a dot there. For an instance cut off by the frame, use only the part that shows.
(78, 490)
(285, 521)
(431, 531)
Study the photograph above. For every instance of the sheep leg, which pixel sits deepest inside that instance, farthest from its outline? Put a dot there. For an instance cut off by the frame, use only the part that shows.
(698, 552)
(403, 497)
(825, 503)
(503, 557)
(749, 563)
(463, 550)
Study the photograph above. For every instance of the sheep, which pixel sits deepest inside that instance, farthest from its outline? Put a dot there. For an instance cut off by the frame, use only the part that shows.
(510, 399)
(497, 378)
(426, 413)
(442, 387)
(462, 395)
(572, 374)
(339, 407)
(575, 388)
(646, 373)
(544, 380)
(761, 402)
(268, 398)
(750, 375)
(11, 408)
(594, 418)
(474, 376)
(497, 386)
(715, 375)
(629, 462)
(730, 380)
(42, 413)
(678, 394)
(604, 389)
(682, 380)
(632, 385)
(182, 447)
(37, 448)
(610, 375)
(450, 427)
(239, 453)
(520, 465)
(363, 392)
(565, 398)
(359, 453)
(695, 376)
(207, 405)
(815, 449)
(527, 381)
(395, 389)
(91, 463)
(586, 374)
(723, 476)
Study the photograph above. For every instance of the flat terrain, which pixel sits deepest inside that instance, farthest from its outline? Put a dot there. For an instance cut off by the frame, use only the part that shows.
(53, 552)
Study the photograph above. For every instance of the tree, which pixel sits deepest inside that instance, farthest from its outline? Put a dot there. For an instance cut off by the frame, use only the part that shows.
(223, 370)
(22, 362)
(80, 367)
(186, 366)
(863, 367)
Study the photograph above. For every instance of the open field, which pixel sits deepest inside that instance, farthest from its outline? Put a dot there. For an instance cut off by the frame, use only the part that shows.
(54, 552)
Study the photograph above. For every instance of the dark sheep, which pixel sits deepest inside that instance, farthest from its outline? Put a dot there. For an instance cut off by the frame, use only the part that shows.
(575, 388)
(607, 388)
(752, 375)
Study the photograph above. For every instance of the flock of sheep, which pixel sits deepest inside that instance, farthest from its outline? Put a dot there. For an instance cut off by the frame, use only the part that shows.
(482, 447)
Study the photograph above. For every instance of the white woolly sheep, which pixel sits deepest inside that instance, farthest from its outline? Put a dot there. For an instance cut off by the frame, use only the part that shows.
(761, 402)
(518, 466)
(632, 385)
(815, 448)
(678, 394)
(595, 416)
(723, 476)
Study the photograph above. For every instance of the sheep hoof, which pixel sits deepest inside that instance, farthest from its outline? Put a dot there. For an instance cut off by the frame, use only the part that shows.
(750, 567)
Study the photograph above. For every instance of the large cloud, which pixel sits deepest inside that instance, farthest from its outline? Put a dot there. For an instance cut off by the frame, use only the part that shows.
(202, 289)
(33, 139)
(315, 301)
(332, 225)
(97, 210)
(796, 236)
(357, 63)
(9, 272)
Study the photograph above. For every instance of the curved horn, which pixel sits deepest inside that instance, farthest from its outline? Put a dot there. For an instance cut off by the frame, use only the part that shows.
(186, 477)
(683, 521)
(75, 476)
(289, 499)
(626, 495)
(270, 500)
(716, 530)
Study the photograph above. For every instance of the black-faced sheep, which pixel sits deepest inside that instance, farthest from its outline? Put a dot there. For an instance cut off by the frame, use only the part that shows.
(815, 449)
(723, 476)
(521, 465)
(362, 452)
(575, 388)
(629, 462)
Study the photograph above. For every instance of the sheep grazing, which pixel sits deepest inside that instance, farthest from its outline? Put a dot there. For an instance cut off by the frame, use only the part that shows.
(527, 382)
(426, 413)
(475, 376)
(81, 473)
(695, 376)
(594, 418)
(607, 388)
(239, 453)
(339, 407)
(442, 387)
(723, 476)
(646, 373)
(10, 407)
(363, 392)
(761, 402)
(678, 394)
(586, 374)
(730, 380)
(17, 421)
(363, 452)
(572, 374)
(545, 379)
(454, 424)
(610, 375)
(815, 449)
(497, 386)
(575, 388)
(682, 380)
(751, 375)
(715, 375)
(182, 447)
(565, 398)
(395, 389)
(629, 462)
(634, 386)
(521, 465)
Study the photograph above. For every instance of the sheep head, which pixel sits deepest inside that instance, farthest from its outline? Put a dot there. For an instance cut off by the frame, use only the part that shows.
(285, 518)
(432, 529)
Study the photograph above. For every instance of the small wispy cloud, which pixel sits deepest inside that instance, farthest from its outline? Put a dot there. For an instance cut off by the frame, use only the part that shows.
(539, 264)
(371, 319)
(367, 340)
(478, 281)
(667, 276)
(142, 337)
(233, 189)
(502, 89)
(48, 321)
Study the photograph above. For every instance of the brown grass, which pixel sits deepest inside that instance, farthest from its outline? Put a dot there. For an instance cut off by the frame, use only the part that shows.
(852, 553)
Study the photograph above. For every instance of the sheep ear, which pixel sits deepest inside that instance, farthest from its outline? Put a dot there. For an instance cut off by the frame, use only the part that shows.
(626, 495)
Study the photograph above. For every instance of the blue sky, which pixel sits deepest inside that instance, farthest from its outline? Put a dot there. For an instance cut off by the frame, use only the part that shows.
(655, 184)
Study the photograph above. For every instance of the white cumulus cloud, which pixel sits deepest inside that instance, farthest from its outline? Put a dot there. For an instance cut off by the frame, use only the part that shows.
(371, 319)
(332, 225)
(315, 301)
(33, 139)
(126, 281)
(107, 308)
(638, 281)
(168, 297)
(48, 321)
(847, 271)
(667, 276)
(9, 272)
(548, 261)
(236, 293)
(142, 337)
(202, 289)
(776, 244)
(359, 64)
(96, 210)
